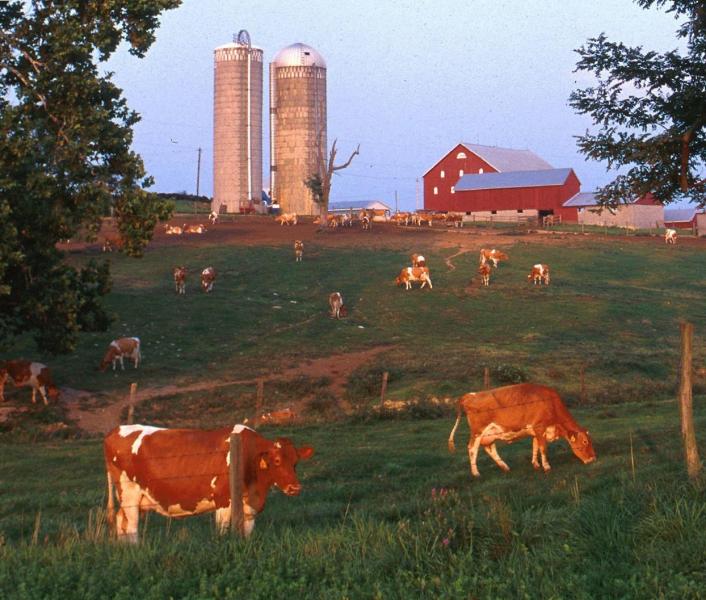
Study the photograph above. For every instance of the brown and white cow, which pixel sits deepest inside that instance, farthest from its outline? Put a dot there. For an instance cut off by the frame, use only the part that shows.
(516, 411)
(484, 271)
(298, 250)
(411, 274)
(213, 217)
(194, 228)
(455, 219)
(180, 280)
(366, 222)
(670, 236)
(418, 260)
(287, 219)
(184, 472)
(277, 417)
(173, 230)
(494, 256)
(539, 274)
(24, 373)
(119, 349)
(208, 277)
(335, 302)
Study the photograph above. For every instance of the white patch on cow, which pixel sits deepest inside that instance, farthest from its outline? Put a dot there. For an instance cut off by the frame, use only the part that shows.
(213, 482)
(115, 345)
(126, 430)
(239, 428)
(115, 458)
(35, 369)
(278, 445)
(203, 505)
(550, 433)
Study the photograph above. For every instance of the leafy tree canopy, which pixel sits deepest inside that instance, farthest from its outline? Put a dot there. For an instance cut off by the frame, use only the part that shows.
(649, 109)
(65, 159)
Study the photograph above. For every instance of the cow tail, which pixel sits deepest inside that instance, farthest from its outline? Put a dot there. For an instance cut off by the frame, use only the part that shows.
(110, 509)
(452, 446)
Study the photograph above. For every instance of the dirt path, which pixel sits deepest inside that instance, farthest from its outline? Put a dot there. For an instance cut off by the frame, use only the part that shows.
(337, 368)
(449, 264)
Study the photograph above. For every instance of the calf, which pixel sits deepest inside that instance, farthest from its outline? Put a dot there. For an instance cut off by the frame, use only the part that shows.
(184, 472)
(24, 373)
(213, 217)
(173, 230)
(516, 411)
(298, 250)
(418, 260)
(335, 302)
(119, 349)
(194, 228)
(494, 256)
(208, 277)
(277, 417)
(287, 219)
(670, 236)
(539, 274)
(484, 271)
(411, 274)
(180, 280)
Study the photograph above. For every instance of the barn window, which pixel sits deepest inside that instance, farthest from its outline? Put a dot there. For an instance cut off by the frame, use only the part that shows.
(443, 174)
(493, 212)
(436, 191)
(520, 210)
(480, 171)
(461, 155)
(453, 189)
(460, 172)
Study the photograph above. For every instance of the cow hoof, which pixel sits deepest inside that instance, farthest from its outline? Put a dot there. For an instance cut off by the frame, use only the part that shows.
(535, 466)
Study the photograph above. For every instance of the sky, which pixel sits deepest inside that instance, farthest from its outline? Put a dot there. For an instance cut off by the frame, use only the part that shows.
(407, 80)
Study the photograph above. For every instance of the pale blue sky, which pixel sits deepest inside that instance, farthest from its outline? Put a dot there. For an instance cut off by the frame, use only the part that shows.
(407, 80)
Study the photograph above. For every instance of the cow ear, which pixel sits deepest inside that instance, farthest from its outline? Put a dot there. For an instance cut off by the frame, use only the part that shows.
(305, 452)
(263, 464)
(572, 438)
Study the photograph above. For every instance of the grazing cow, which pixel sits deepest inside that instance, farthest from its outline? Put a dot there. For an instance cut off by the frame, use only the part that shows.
(516, 411)
(494, 256)
(213, 217)
(208, 277)
(185, 472)
(24, 373)
(670, 236)
(454, 219)
(194, 228)
(418, 260)
(335, 302)
(484, 271)
(411, 274)
(277, 417)
(298, 250)
(287, 219)
(180, 280)
(401, 218)
(173, 229)
(119, 349)
(539, 275)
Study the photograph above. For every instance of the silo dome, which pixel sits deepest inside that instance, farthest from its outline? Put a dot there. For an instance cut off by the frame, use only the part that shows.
(299, 55)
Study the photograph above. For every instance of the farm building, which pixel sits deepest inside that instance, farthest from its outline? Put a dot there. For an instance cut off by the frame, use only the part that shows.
(642, 213)
(357, 206)
(507, 183)
(683, 218)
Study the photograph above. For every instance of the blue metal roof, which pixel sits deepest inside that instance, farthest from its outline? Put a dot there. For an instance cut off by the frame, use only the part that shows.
(512, 179)
(509, 159)
(582, 199)
(679, 215)
(357, 205)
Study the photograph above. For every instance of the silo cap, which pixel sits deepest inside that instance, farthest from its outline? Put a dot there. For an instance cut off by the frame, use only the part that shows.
(299, 55)
(235, 45)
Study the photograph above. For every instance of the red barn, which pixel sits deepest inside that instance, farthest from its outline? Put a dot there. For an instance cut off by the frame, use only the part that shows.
(488, 180)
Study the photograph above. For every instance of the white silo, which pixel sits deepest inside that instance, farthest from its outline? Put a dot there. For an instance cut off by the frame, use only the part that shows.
(297, 125)
(237, 126)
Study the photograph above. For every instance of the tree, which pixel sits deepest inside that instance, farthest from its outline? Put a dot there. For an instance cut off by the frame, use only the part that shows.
(320, 182)
(65, 159)
(650, 110)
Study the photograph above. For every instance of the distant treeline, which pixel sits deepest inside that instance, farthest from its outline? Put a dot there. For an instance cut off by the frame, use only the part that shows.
(183, 197)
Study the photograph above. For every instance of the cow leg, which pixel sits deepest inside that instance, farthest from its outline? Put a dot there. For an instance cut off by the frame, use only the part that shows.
(128, 517)
(492, 451)
(43, 392)
(122, 362)
(535, 452)
(34, 395)
(3, 378)
(542, 445)
(137, 358)
(473, 455)
(223, 519)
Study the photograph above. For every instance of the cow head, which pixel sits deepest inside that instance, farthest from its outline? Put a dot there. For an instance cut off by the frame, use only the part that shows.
(278, 465)
(107, 359)
(53, 392)
(581, 445)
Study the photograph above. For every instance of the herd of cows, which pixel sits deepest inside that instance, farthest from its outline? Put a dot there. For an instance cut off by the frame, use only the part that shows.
(179, 472)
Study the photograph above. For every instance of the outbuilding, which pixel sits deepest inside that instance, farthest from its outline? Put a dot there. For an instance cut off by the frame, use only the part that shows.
(640, 213)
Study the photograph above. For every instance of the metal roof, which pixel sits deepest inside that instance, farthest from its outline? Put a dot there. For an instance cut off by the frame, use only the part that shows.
(358, 205)
(509, 159)
(299, 55)
(513, 179)
(582, 199)
(679, 215)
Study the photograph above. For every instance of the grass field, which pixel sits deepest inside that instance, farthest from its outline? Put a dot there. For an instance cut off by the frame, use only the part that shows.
(367, 524)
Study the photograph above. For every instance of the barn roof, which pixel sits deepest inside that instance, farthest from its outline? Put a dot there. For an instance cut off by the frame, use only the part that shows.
(679, 215)
(509, 159)
(357, 205)
(581, 199)
(513, 179)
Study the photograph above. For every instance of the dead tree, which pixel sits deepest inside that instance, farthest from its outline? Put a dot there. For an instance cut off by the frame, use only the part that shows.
(320, 182)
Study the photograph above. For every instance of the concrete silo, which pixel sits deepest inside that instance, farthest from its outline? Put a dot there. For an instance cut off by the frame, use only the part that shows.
(237, 126)
(297, 125)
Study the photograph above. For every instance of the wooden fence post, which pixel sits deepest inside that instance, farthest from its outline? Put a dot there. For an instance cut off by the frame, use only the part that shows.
(486, 378)
(383, 389)
(691, 450)
(131, 405)
(235, 472)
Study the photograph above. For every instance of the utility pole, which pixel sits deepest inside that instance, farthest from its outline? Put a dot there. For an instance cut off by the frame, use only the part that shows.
(198, 172)
(416, 194)
(396, 202)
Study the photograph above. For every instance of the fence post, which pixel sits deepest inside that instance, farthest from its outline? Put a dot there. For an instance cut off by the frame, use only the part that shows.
(131, 405)
(235, 472)
(486, 378)
(383, 389)
(691, 450)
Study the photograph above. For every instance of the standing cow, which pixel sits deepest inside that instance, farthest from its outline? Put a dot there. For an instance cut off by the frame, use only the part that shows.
(184, 472)
(180, 280)
(494, 256)
(208, 277)
(484, 272)
(670, 236)
(119, 349)
(418, 260)
(335, 302)
(410, 274)
(298, 250)
(539, 274)
(516, 411)
(24, 373)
